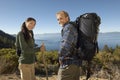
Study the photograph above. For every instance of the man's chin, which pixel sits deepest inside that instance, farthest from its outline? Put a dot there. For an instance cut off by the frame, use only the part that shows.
(61, 25)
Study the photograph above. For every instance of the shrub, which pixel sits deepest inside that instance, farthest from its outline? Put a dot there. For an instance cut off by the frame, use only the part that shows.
(8, 60)
(51, 57)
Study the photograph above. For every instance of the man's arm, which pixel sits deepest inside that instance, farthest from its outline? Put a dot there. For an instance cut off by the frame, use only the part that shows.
(69, 38)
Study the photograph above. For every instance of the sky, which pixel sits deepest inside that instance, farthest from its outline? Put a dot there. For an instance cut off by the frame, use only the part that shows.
(14, 12)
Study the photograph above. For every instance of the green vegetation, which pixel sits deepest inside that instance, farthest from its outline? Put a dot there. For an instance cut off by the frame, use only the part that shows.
(8, 60)
(108, 56)
(51, 60)
(51, 57)
(103, 59)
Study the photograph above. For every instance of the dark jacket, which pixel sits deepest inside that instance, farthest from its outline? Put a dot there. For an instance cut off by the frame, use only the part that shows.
(28, 50)
(68, 44)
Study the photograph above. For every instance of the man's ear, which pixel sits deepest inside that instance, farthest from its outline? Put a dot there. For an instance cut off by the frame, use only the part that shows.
(67, 18)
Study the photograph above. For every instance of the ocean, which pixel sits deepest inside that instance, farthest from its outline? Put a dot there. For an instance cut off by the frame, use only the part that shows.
(52, 41)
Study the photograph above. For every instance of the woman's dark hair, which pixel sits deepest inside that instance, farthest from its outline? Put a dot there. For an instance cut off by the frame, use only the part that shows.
(25, 31)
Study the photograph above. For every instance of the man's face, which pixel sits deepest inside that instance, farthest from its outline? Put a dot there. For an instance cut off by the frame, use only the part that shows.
(61, 19)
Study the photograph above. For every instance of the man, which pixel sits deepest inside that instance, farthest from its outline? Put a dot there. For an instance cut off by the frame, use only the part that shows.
(69, 61)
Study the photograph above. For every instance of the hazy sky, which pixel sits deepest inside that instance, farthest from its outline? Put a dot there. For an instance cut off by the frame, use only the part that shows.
(14, 12)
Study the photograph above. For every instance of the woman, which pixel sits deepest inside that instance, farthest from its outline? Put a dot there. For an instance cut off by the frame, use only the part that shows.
(26, 46)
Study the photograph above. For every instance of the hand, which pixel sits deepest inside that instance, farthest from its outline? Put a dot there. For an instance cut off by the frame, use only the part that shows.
(35, 63)
(42, 48)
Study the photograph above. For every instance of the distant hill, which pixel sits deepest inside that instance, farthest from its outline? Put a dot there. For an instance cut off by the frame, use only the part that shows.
(6, 40)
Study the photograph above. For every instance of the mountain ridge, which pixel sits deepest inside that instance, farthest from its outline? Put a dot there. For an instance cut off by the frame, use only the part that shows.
(6, 40)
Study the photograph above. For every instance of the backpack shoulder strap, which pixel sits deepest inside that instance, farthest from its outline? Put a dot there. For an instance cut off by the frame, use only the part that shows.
(73, 23)
(97, 47)
(76, 25)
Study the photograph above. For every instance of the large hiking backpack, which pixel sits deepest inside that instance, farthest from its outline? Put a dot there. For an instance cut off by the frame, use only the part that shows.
(88, 28)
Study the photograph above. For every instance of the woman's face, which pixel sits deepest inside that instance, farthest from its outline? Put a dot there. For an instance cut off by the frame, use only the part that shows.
(30, 24)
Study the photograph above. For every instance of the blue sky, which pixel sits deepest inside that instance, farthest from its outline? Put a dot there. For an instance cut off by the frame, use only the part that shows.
(14, 12)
